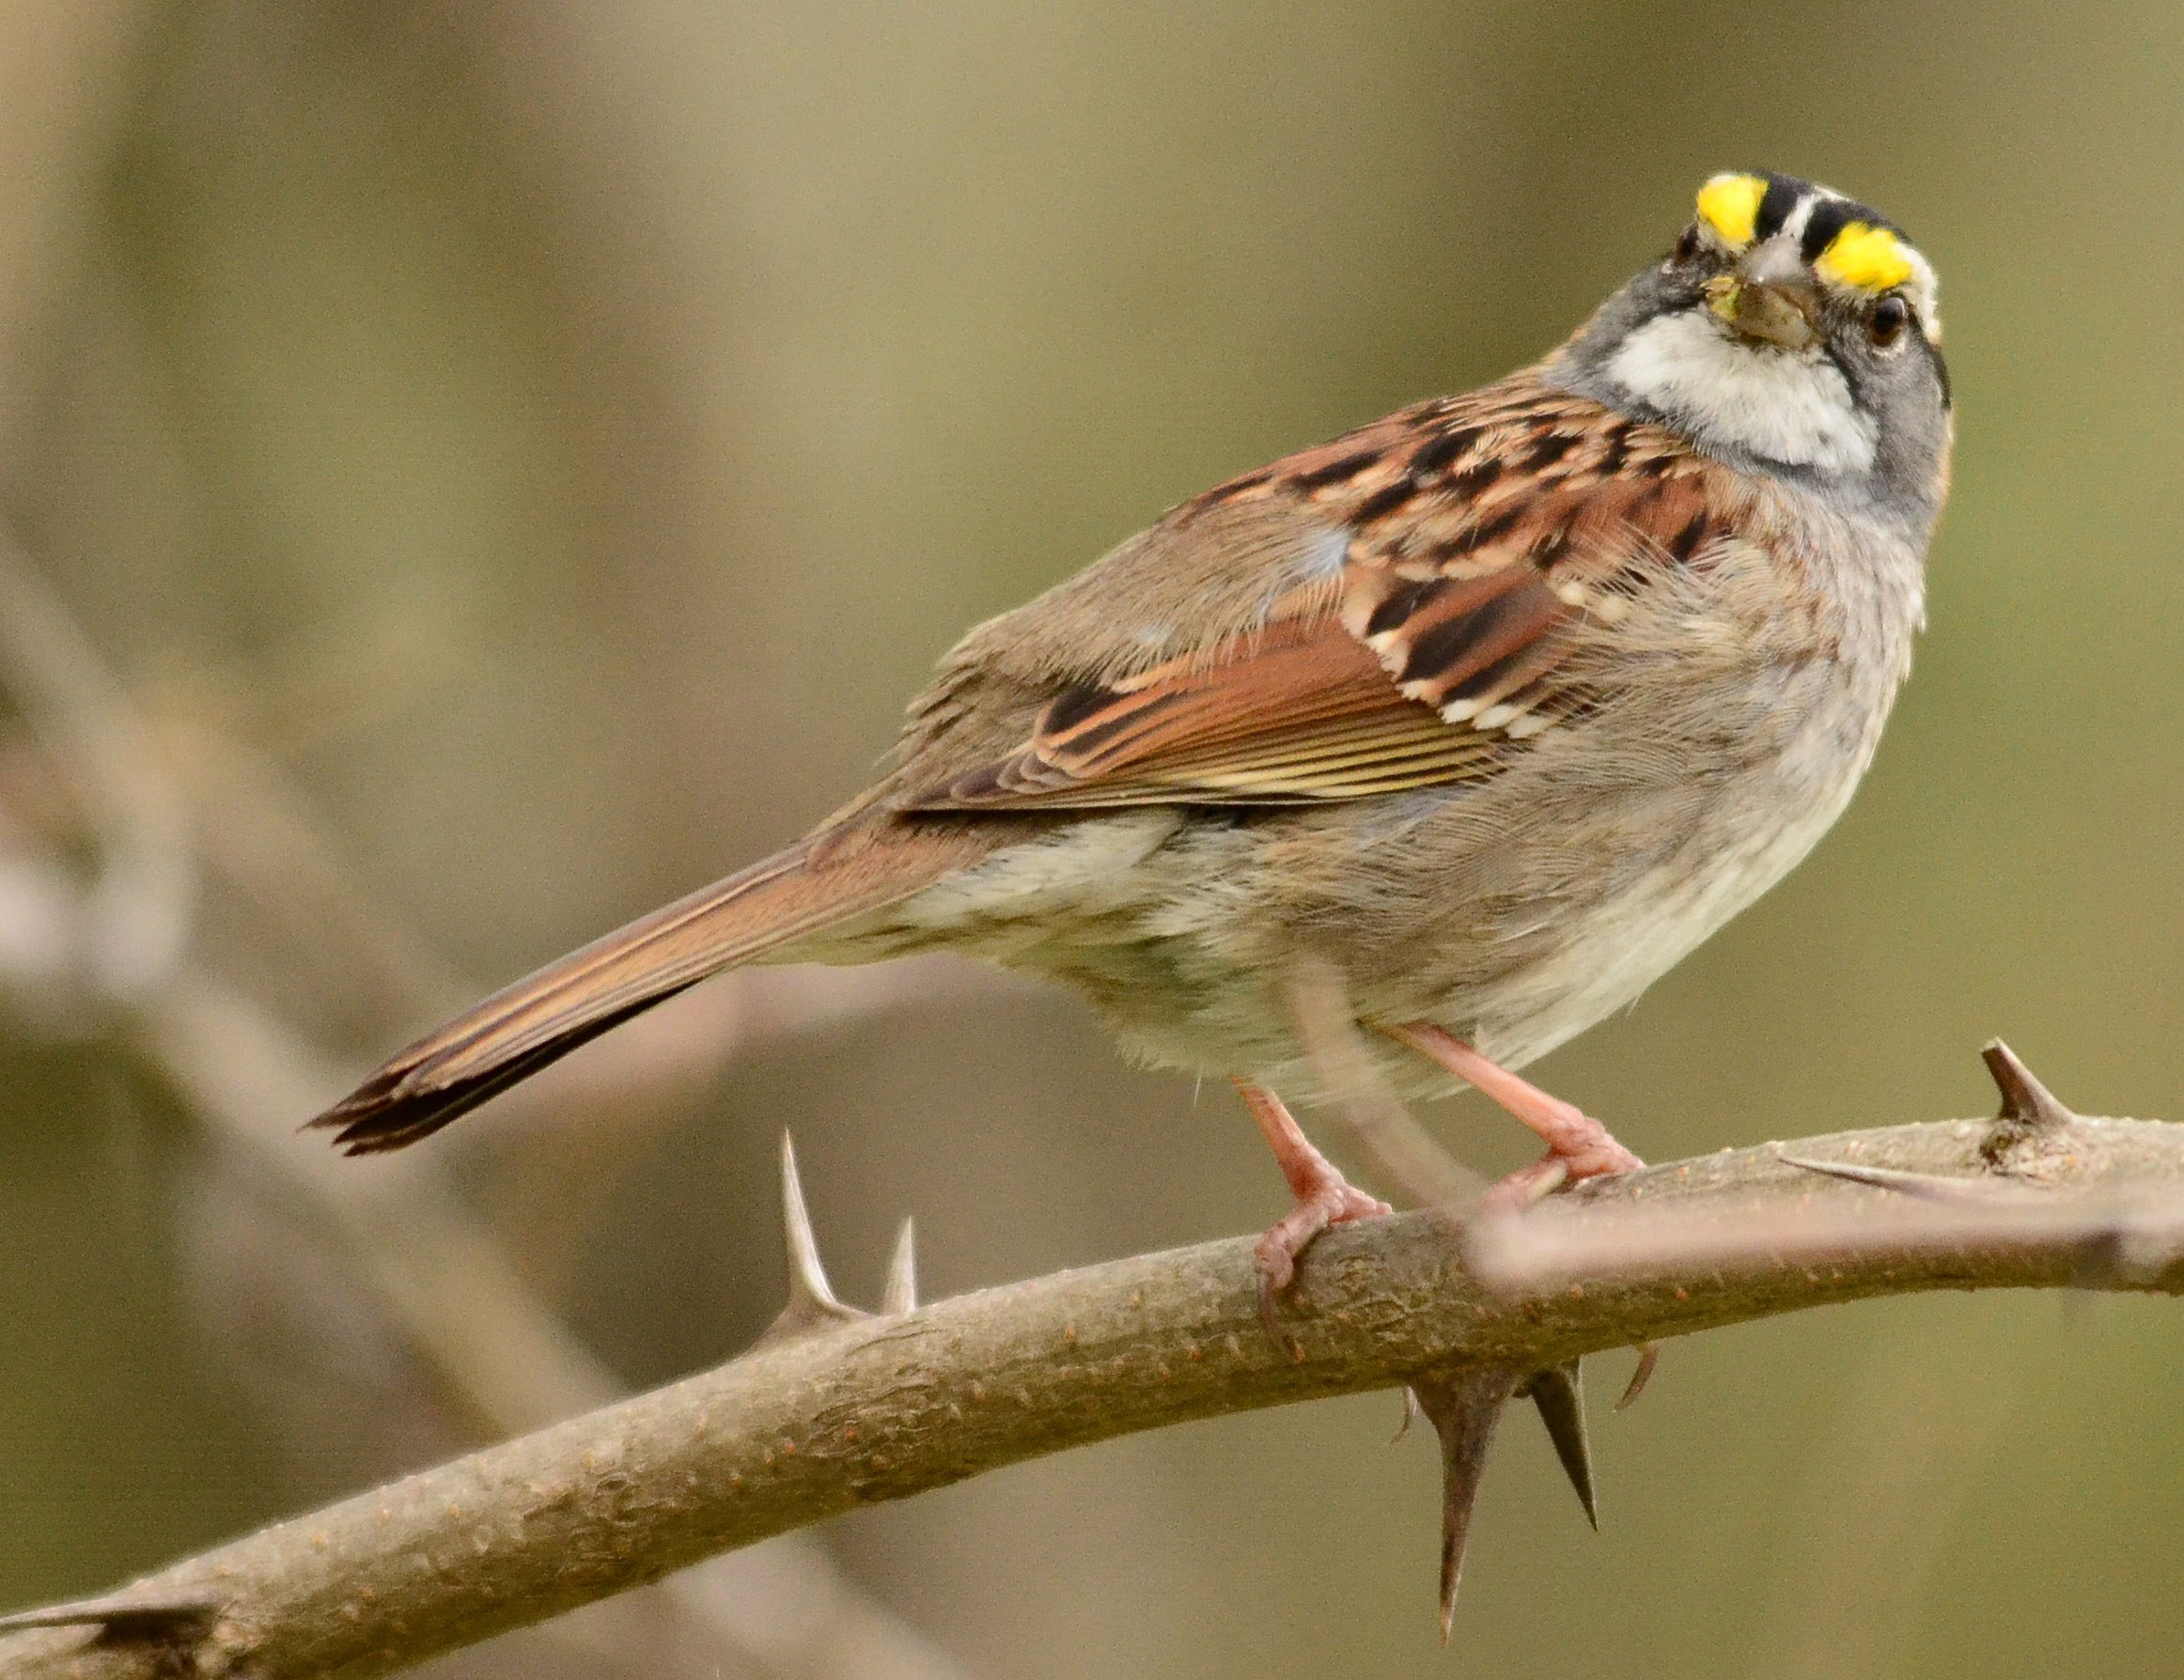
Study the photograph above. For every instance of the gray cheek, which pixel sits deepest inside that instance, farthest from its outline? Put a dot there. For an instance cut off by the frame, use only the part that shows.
(1913, 431)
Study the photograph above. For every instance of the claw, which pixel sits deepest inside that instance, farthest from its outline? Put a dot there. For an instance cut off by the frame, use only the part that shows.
(1558, 1391)
(1463, 1406)
(811, 1299)
(1410, 1414)
(1527, 1187)
(1321, 1197)
(1648, 1357)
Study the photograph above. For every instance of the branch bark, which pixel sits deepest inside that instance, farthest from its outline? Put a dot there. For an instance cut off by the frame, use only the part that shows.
(835, 1414)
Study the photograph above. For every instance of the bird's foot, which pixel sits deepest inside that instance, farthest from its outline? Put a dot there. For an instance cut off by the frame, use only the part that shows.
(1323, 1197)
(1577, 1145)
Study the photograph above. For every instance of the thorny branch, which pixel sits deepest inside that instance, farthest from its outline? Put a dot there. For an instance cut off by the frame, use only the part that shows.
(835, 1408)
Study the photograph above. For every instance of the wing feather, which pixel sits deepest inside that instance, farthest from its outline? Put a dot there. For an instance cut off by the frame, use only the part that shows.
(1477, 538)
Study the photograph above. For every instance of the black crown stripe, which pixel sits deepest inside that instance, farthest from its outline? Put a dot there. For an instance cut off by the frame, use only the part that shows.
(1829, 218)
(1783, 191)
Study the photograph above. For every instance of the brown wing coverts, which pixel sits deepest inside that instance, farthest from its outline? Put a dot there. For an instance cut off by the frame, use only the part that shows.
(1478, 532)
(1303, 712)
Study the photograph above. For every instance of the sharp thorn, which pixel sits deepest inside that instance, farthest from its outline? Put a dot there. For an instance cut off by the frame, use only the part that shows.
(120, 1616)
(807, 1276)
(1932, 1187)
(1410, 1414)
(901, 1293)
(811, 1298)
(1559, 1393)
(1463, 1406)
(2026, 1104)
(1648, 1357)
(1857, 1173)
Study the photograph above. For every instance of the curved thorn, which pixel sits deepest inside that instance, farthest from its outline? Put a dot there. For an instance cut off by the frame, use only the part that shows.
(1463, 1406)
(900, 1295)
(2026, 1104)
(1648, 1357)
(1559, 1393)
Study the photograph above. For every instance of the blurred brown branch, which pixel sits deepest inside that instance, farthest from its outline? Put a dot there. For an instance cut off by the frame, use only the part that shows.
(835, 1414)
(101, 874)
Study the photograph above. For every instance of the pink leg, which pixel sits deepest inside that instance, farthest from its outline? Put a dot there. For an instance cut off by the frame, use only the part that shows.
(1323, 1196)
(1578, 1147)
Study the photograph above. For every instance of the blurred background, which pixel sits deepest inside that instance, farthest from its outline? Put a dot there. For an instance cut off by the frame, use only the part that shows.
(471, 472)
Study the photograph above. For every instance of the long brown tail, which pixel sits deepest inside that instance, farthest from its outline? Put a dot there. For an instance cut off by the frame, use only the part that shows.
(541, 1017)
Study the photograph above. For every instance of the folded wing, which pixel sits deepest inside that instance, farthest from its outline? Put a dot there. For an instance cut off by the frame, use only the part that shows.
(1472, 540)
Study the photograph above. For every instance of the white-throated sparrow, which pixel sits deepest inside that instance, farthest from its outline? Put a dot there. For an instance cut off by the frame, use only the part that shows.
(1500, 706)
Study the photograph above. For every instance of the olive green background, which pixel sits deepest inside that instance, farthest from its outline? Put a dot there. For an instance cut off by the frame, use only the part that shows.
(560, 435)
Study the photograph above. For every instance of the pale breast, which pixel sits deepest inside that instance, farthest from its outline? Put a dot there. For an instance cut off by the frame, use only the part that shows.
(1520, 912)
(1767, 756)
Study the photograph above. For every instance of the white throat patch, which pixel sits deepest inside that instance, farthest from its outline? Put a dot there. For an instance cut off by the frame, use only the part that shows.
(1770, 403)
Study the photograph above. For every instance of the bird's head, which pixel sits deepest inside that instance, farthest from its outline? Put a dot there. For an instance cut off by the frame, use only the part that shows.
(1790, 328)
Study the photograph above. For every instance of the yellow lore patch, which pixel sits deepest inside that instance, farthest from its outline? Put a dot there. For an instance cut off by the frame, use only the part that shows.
(1864, 257)
(1729, 204)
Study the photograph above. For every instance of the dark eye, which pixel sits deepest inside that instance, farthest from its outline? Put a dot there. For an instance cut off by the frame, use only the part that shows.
(1688, 246)
(1890, 317)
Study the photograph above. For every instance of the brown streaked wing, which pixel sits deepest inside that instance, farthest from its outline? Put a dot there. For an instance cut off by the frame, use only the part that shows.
(1478, 530)
(1301, 712)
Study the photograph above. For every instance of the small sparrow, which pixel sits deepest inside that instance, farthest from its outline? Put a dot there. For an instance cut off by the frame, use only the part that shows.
(1498, 707)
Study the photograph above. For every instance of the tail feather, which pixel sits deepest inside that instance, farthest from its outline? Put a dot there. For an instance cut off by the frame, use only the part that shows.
(541, 1017)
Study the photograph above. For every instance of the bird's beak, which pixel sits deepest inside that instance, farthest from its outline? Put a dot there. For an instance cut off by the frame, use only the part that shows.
(1769, 298)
